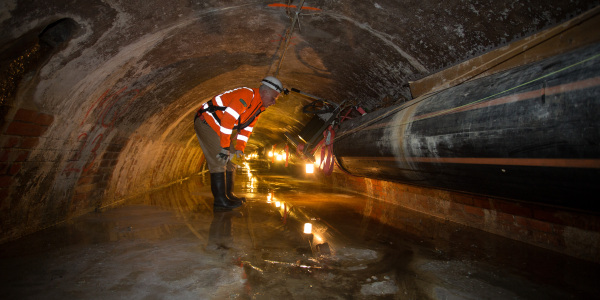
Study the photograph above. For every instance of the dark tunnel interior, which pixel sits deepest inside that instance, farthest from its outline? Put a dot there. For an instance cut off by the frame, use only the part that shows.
(460, 131)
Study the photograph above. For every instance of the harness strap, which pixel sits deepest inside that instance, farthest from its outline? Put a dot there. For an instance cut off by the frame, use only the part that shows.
(248, 122)
(212, 109)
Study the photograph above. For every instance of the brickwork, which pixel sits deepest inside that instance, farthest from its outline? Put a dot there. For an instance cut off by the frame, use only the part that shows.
(89, 190)
(144, 165)
(21, 135)
(570, 232)
(48, 177)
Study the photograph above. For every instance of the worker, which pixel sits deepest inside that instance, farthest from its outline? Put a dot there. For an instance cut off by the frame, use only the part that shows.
(214, 123)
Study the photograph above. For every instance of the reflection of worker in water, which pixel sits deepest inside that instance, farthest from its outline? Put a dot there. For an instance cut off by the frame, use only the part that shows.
(237, 109)
(220, 234)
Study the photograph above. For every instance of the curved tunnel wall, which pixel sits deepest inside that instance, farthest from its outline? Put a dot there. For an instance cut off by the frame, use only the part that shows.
(44, 185)
(105, 113)
(529, 134)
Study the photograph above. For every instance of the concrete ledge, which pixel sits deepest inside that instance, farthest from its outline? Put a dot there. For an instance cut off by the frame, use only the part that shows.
(572, 233)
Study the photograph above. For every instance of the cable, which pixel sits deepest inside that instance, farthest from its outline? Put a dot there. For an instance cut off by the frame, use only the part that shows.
(462, 106)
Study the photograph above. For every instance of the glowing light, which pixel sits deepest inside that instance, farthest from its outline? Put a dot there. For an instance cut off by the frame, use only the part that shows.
(277, 204)
(270, 153)
(279, 157)
(310, 168)
(317, 161)
(307, 228)
(269, 198)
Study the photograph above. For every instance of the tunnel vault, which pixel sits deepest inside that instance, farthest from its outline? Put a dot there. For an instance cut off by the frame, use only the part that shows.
(106, 112)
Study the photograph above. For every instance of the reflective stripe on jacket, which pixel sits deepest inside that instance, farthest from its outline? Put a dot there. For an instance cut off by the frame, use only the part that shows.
(241, 106)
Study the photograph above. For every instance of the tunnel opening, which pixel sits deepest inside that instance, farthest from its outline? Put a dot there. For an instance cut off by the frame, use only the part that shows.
(58, 33)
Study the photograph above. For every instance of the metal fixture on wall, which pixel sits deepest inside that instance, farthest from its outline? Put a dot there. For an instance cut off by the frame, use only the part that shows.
(288, 37)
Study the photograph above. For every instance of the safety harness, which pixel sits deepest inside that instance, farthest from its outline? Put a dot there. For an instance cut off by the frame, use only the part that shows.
(212, 109)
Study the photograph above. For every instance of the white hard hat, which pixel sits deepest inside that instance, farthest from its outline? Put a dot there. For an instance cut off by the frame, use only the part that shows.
(273, 83)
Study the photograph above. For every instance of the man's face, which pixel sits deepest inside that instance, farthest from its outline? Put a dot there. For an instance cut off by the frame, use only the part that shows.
(269, 97)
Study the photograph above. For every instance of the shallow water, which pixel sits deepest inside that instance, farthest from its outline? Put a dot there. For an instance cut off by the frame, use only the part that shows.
(169, 244)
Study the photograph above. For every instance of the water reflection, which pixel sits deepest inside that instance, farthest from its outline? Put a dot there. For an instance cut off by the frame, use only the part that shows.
(220, 235)
(266, 251)
(251, 184)
(304, 223)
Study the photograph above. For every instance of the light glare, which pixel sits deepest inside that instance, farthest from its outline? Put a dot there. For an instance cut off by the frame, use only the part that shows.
(307, 228)
(310, 168)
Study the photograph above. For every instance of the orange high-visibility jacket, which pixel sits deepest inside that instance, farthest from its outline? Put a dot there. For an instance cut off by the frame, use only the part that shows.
(235, 109)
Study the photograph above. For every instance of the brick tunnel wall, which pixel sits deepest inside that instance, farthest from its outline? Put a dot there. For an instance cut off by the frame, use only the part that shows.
(573, 233)
(44, 181)
(50, 172)
(145, 164)
(22, 136)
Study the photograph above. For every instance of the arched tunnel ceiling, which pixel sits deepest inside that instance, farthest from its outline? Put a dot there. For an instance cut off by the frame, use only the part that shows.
(178, 54)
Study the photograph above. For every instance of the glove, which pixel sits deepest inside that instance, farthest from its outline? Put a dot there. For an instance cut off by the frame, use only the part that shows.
(223, 156)
(239, 154)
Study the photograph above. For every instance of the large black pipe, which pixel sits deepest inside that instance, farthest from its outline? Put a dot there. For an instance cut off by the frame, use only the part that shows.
(530, 133)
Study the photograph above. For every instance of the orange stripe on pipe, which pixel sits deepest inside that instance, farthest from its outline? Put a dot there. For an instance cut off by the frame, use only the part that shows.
(531, 162)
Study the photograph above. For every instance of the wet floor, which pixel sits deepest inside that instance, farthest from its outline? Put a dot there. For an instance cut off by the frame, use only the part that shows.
(170, 245)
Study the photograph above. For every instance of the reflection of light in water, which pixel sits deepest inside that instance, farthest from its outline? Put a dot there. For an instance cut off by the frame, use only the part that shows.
(247, 166)
(307, 228)
(251, 177)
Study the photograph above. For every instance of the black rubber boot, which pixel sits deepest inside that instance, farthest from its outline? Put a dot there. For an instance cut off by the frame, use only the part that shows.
(230, 195)
(217, 186)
